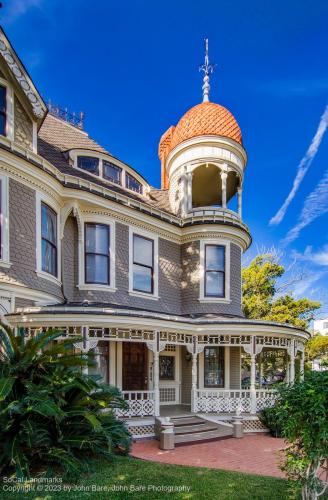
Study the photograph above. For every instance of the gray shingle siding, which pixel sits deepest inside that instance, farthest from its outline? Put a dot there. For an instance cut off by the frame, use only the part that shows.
(22, 229)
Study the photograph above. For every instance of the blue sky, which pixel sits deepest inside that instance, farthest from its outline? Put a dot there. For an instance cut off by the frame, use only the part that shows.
(132, 67)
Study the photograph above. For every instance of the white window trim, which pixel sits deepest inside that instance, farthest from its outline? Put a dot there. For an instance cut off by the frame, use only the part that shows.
(202, 298)
(82, 285)
(4, 261)
(9, 109)
(43, 198)
(154, 237)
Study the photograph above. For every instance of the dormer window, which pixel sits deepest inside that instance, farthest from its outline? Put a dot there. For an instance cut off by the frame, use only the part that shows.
(89, 164)
(3, 110)
(111, 172)
(132, 183)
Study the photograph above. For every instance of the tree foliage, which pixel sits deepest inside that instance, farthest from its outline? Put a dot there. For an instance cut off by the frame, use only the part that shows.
(260, 300)
(301, 411)
(51, 414)
(317, 347)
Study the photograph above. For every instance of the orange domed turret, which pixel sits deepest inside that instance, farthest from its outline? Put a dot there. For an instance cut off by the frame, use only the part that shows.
(206, 118)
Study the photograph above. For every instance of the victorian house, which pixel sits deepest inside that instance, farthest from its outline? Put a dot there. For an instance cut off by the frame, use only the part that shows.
(150, 278)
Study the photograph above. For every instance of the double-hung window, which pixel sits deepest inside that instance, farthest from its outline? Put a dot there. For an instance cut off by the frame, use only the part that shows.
(97, 253)
(49, 240)
(143, 264)
(214, 271)
(3, 110)
(214, 366)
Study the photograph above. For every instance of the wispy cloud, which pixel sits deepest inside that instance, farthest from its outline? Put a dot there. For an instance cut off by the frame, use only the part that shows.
(303, 167)
(294, 87)
(306, 285)
(315, 205)
(16, 8)
(320, 257)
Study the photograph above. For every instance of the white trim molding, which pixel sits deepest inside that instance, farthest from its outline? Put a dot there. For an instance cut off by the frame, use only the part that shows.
(96, 219)
(4, 211)
(226, 245)
(154, 237)
(43, 198)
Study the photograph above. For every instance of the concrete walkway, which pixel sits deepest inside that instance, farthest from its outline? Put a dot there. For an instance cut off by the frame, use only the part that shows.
(255, 454)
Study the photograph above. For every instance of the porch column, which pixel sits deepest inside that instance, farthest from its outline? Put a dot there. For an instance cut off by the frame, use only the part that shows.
(156, 383)
(224, 176)
(194, 383)
(292, 362)
(252, 386)
(189, 191)
(85, 345)
(240, 197)
(302, 366)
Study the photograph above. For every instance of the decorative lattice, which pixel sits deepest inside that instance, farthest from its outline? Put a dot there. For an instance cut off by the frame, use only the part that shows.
(140, 404)
(170, 347)
(254, 425)
(223, 402)
(265, 399)
(142, 431)
(167, 394)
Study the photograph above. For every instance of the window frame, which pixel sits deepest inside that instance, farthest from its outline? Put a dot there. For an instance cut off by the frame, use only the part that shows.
(9, 109)
(4, 112)
(90, 158)
(96, 219)
(225, 299)
(52, 204)
(127, 175)
(134, 263)
(108, 255)
(49, 242)
(207, 295)
(120, 169)
(223, 360)
(153, 237)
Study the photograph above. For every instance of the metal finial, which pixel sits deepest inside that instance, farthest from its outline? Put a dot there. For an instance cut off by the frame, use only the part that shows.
(208, 69)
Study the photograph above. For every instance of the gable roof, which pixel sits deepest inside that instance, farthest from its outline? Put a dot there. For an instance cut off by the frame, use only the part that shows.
(22, 77)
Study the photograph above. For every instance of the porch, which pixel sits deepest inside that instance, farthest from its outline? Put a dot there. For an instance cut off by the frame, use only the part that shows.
(170, 373)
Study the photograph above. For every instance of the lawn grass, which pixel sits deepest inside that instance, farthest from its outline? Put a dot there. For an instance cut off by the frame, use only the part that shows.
(132, 474)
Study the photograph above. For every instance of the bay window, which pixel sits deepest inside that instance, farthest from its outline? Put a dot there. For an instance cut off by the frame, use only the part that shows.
(97, 253)
(214, 271)
(49, 240)
(214, 366)
(143, 264)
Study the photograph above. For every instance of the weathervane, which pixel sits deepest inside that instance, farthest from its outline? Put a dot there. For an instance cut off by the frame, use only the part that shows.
(208, 70)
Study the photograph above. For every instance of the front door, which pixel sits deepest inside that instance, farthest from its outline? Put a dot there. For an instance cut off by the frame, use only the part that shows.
(135, 367)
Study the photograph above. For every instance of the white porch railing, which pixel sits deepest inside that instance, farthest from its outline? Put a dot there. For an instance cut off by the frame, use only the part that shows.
(231, 401)
(141, 404)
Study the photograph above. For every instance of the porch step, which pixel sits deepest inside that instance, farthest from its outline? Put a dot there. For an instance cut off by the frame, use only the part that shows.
(182, 421)
(193, 429)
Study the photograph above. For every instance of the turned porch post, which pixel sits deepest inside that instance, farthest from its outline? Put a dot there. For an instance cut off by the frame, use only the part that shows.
(292, 362)
(85, 345)
(194, 383)
(252, 386)
(156, 383)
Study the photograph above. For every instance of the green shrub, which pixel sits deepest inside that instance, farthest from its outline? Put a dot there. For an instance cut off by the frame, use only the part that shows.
(270, 419)
(51, 414)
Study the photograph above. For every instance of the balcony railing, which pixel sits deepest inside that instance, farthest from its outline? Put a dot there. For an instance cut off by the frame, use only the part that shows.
(213, 214)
